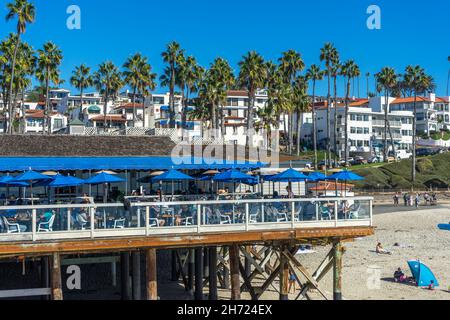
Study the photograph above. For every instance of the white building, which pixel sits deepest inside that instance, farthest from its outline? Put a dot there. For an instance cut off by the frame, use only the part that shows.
(35, 122)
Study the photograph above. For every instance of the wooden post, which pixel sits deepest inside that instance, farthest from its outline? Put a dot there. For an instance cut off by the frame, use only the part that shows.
(114, 274)
(152, 281)
(191, 263)
(206, 262)
(199, 274)
(337, 270)
(284, 276)
(247, 264)
(45, 275)
(226, 271)
(136, 275)
(174, 266)
(234, 270)
(56, 277)
(213, 273)
(125, 275)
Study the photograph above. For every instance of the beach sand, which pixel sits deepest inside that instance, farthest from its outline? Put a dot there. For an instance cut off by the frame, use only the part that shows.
(368, 276)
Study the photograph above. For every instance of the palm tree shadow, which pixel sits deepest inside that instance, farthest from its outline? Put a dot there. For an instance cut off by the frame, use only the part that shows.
(409, 282)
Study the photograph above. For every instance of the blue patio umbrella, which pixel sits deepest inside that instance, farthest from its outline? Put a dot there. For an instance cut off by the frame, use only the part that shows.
(60, 181)
(105, 179)
(31, 177)
(235, 176)
(345, 176)
(317, 176)
(172, 176)
(289, 175)
(7, 181)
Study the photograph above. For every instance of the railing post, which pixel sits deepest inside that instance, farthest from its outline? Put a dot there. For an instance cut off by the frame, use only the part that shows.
(262, 213)
(33, 224)
(247, 216)
(138, 213)
(317, 211)
(371, 212)
(293, 214)
(92, 211)
(199, 217)
(336, 213)
(147, 220)
(69, 218)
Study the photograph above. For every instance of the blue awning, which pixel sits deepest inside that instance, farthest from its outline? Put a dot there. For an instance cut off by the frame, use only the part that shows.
(14, 164)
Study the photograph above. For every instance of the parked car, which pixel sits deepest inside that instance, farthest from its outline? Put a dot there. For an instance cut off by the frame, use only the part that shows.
(358, 161)
(374, 159)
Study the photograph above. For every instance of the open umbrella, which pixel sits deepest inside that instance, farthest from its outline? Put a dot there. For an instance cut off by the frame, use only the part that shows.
(31, 177)
(105, 179)
(289, 176)
(172, 176)
(60, 181)
(234, 176)
(345, 176)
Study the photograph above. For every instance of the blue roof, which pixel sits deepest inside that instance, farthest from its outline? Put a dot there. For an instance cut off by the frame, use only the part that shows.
(14, 164)
(172, 175)
(289, 175)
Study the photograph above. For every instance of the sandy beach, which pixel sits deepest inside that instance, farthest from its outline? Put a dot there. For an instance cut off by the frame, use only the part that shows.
(419, 238)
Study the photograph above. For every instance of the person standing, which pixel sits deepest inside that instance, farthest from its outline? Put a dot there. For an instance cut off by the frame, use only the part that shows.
(417, 200)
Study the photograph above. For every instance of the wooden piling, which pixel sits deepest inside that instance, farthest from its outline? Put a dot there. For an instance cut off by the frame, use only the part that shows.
(234, 270)
(247, 264)
(136, 272)
(125, 275)
(191, 263)
(45, 275)
(199, 274)
(56, 277)
(175, 273)
(284, 276)
(206, 263)
(151, 271)
(226, 271)
(213, 273)
(337, 270)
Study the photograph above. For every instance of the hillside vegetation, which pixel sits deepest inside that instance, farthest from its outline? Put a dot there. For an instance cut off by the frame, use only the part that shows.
(431, 171)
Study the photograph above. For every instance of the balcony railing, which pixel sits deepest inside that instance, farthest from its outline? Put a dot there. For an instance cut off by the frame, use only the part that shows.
(380, 123)
(89, 221)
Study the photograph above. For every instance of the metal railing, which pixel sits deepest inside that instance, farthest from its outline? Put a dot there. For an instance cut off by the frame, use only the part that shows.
(65, 222)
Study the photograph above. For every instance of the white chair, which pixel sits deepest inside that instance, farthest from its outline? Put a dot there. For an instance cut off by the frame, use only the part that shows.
(47, 226)
(280, 216)
(224, 219)
(355, 211)
(81, 221)
(187, 221)
(254, 215)
(153, 222)
(13, 227)
(298, 214)
(119, 223)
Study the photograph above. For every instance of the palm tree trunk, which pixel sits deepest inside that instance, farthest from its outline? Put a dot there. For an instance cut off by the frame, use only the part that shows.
(346, 120)
(105, 107)
(386, 124)
(13, 69)
(134, 107)
(328, 164)
(172, 96)
(335, 121)
(24, 117)
(316, 164)
(251, 103)
(144, 109)
(47, 100)
(413, 170)
(81, 102)
(291, 132)
(299, 130)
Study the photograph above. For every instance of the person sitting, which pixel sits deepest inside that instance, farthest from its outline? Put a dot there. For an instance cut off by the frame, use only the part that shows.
(431, 286)
(399, 276)
(45, 217)
(290, 194)
(183, 214)
(380, 250)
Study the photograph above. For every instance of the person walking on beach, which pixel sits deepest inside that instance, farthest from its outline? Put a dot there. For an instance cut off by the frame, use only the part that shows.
(417, 200)
(292, 282)
(396, 199)
(405, 199)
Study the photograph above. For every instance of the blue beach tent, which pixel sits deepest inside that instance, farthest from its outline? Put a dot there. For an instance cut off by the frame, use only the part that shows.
(422, 274)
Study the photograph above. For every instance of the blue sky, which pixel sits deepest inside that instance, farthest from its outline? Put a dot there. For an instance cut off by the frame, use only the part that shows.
(412, 32)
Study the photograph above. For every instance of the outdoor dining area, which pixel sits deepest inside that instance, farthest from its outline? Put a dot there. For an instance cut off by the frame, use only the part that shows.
(172, 198)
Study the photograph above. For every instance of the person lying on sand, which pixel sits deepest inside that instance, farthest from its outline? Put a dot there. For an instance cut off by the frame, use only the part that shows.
(380, 250)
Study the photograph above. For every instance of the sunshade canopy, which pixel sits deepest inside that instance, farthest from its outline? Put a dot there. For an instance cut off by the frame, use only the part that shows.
(172, 175)
(345, 176)
(422, 274)
(289, 175)
(104, 178)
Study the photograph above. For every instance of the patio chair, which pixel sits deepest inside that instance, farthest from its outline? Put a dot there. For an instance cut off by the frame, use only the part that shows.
(47, 226)
(298, 213)
(13, 227)
(119, 223)
(324, 212)
(255, 214)
(82, 222)
(153, 222)
(280, 216)
(224, 219)
(188, 221)
(355, 211)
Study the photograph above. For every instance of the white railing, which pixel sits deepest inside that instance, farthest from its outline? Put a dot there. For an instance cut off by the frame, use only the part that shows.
(380, 123)
(65, 222)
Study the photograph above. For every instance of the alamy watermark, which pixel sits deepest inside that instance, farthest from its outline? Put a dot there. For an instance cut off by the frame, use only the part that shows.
(74, 280)
(374, 277)
(374, 19)
(73, 22)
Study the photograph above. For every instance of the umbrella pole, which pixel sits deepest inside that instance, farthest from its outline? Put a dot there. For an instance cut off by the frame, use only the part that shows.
(31, 190)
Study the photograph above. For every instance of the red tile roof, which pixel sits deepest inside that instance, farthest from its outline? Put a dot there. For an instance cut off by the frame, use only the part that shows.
(110, 117)
(237, 93)
(130, 106)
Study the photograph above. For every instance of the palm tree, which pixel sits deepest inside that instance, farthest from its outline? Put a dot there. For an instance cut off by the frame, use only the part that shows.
(222, 76)
(350, 71)
(108, 81)
(386, 80)
(135, 67)
(335, 72)
(189, 74)
(329, 54)
(367, 84)
(302, 104)
(172, 57)
(252, 76)
(418, 82)
(49, 60)
(81, 79)
(25, 13)
(290, 64)
(314, 74)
